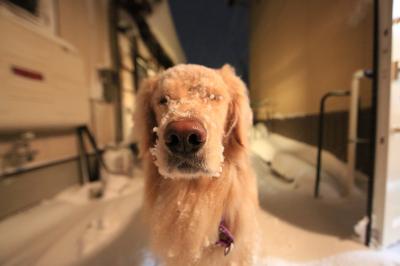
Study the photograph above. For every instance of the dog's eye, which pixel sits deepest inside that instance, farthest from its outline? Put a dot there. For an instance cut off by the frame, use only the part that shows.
(163, 100)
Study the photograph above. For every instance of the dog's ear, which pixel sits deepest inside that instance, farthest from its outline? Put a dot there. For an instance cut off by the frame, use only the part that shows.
(144, 116)
(240, 116)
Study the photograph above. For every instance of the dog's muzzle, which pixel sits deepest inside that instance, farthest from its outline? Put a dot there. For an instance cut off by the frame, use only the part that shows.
(185, 137)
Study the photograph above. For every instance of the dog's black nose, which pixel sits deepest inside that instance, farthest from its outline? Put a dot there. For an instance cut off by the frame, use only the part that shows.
(185, 136)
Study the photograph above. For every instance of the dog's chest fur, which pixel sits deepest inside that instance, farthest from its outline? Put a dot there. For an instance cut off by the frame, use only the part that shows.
(185, 216)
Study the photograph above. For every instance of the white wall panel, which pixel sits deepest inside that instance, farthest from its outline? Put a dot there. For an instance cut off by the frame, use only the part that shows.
(56, 95)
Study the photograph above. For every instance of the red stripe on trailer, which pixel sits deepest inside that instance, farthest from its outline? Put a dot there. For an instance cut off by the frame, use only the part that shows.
(27, 73)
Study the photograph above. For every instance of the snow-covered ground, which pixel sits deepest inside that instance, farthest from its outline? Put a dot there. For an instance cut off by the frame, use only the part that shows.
(100, 223)
(74, 229)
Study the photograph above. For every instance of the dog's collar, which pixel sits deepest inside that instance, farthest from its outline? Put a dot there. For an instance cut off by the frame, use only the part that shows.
(225, 237)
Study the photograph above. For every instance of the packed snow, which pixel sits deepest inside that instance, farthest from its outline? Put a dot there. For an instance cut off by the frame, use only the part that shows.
(100, 223)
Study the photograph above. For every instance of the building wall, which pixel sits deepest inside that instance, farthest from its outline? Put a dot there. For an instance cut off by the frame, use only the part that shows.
(83, 24)
(299, 50)
(386, 207)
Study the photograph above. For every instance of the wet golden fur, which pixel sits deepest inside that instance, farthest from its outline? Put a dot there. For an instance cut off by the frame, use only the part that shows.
(184, 213)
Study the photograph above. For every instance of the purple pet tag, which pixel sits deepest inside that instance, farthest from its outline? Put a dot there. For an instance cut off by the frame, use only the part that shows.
(225, 238)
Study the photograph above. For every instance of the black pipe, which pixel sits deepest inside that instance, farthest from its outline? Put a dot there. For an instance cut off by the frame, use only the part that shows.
(97, 152)
(370, 193)
(134, 57)
(20, 171)
(321, 133)
(84, 165)
(87, 172)
(113, 19)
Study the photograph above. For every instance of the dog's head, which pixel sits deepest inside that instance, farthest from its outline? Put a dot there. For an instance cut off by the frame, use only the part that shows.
(191, 119)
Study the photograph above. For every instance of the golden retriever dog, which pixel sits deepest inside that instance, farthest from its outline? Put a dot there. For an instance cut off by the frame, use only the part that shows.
(200, 192)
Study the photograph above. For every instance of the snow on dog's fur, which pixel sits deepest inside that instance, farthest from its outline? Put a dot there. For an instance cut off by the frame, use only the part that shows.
(185, 209)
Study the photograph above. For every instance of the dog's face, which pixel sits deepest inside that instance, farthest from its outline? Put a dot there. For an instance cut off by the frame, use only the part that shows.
(188, 116)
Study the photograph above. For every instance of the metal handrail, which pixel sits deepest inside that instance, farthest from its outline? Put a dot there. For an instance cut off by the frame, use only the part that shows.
(339, 93)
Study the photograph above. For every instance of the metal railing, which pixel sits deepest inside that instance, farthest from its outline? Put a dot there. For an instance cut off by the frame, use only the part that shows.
(352, 134)
(339, 93)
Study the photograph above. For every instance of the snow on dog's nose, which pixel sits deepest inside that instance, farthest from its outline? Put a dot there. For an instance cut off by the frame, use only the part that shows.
(185, 137)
